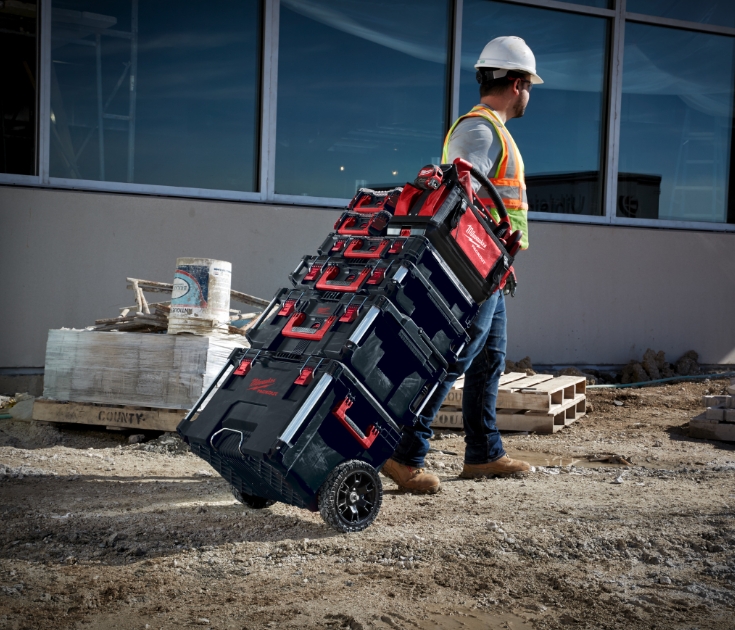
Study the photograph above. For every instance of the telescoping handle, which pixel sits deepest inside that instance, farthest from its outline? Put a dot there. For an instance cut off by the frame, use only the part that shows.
(352, 250)
(365, 440)
(464, 165)
(292, 329)
(324, 284)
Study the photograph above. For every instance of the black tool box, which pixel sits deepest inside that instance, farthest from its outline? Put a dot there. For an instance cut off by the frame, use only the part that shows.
(382, 251)
(306, 433)
(400, 281)
(391, 355)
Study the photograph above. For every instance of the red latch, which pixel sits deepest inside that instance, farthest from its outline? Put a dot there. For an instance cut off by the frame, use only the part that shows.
(397, 246)
(287, 308)
(244, 367)
(406, 231)
(305, 377)
(377, 276)
(313, 273)
(350, 314)
(338, 246)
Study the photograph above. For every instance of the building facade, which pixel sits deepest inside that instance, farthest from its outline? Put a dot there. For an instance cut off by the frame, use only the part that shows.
(136, 132)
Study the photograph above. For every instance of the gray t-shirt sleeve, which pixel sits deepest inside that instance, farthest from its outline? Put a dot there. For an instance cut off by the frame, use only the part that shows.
(477, 141)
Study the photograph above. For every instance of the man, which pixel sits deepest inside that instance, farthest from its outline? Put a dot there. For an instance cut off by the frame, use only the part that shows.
(506, 71)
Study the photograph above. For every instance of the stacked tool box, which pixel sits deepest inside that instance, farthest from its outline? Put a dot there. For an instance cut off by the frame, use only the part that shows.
(350, 352)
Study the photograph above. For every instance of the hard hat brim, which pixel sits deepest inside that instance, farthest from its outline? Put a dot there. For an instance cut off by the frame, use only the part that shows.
(535, 79)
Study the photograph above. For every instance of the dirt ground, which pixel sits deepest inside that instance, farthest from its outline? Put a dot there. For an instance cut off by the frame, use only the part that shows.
(97, 533)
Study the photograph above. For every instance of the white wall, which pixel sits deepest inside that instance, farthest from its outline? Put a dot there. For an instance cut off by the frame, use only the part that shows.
(587, 295)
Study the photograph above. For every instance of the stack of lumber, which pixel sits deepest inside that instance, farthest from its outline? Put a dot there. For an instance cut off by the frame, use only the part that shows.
(540, 403)
(718, 420)
(115, 368)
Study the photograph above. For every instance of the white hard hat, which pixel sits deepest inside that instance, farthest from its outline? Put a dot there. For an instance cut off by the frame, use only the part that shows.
(508, 53)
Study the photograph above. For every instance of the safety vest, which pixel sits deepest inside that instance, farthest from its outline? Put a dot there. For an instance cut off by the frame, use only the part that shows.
(509, 172)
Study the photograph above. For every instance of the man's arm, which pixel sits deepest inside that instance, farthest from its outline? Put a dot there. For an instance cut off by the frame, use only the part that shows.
(476, 141)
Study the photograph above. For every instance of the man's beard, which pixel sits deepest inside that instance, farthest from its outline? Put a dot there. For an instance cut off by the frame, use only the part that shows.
(519, 109)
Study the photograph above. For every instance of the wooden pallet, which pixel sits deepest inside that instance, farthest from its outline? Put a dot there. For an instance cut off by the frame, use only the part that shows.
(119, 416)
(540, 392)
(522, 420)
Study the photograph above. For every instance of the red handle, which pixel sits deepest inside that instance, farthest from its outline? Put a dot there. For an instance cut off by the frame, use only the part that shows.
(323, 283)
(351, 253)
(340, 412)
(291, 329)
(346, 226)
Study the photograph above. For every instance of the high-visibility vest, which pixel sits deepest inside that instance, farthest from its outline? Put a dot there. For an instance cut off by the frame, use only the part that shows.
(509, 172)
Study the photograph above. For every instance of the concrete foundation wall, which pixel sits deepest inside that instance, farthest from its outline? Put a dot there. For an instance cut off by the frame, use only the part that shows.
(587, 295)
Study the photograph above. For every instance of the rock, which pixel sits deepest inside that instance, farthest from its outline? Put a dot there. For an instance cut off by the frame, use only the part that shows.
(618, 480)
(589, 408)
(650, 365)
(664, 580)
(687, 365)
(634, 373)
(203, 621)
(204, 473)
(618, 403)
(136, 438)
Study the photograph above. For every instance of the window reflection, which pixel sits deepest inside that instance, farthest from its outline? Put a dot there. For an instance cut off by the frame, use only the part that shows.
(361, 93)
(173, 88)
(720, 12)
(676, 124)
(560, 136)
(18, 87)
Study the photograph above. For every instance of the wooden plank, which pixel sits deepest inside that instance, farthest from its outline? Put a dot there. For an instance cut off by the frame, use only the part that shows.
(108, 415)
(526, 382)
(455, 395)
(704, 429)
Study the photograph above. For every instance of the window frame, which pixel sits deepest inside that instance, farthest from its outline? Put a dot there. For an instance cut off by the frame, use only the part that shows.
(270, 13)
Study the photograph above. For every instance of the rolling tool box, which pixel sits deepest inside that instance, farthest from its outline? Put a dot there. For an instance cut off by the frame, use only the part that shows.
(310, 413)
(442, 205)
(393, 358)
(306, 433)
(398, 280)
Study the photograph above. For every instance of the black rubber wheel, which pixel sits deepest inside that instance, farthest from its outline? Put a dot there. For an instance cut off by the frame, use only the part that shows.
(257, 503)
(350, 498)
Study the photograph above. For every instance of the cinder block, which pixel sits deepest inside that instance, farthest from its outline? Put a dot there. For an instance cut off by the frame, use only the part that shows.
(731, 389)
(730, 415)
(715, 413)
(730, 403)
(715, 401)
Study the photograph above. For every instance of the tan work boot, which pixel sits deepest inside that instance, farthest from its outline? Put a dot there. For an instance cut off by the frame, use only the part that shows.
(503, 466)
(411, 479)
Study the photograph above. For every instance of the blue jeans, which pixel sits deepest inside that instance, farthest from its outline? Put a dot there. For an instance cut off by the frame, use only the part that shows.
(482, 362)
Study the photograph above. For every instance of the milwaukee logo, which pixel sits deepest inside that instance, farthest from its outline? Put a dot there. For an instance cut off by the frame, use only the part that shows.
(473, 236)
(259, 385)
(426, 171)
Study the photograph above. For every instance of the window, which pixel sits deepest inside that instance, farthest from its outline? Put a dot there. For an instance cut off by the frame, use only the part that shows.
(719, 12)
(361, 93)
(18, 92)
(156, 92)
(676, 124)
(560, 136)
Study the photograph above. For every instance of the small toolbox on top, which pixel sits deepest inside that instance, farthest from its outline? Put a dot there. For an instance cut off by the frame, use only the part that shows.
(393, 358)
(442, 205)
(306, 433)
